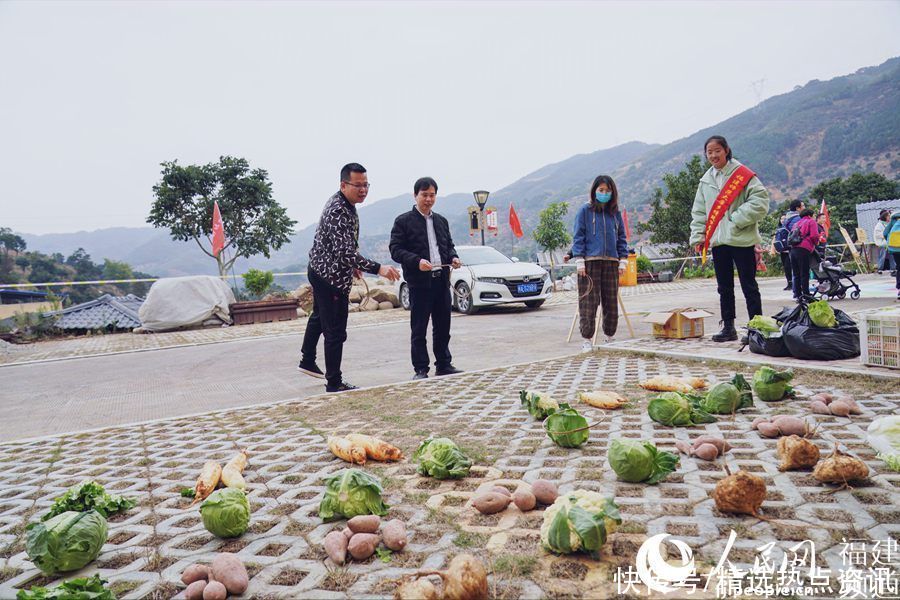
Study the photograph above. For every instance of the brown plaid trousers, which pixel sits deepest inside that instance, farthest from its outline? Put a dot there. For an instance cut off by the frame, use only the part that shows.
(605, 293)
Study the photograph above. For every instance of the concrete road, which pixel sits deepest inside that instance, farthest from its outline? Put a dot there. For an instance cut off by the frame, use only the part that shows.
(88, 393)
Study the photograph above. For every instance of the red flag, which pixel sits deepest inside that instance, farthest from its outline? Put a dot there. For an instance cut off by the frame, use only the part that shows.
(627, 229)
(514, 222)
(824, 211)
(218, 237)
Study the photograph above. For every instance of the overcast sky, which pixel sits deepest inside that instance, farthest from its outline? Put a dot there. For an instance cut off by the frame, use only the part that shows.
(93, 96)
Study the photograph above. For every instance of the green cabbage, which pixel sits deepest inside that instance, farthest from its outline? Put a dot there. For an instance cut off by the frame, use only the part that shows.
(771, 385)
(226, 513)
(87, 495)
(727, 398)
(561, 426)
(764, 325)
(350, 493)
(82, 588)
(636, 461)
(821, 314)
(441, 458)
(678, 410)
(67, 541)
(539, 406)
(579, 521)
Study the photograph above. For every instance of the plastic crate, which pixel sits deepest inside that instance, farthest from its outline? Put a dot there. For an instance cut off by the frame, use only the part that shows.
(880, 339)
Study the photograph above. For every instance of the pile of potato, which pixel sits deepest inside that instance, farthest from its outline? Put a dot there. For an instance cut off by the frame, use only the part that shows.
(782, 425)
(498, 497)
(226, 575)
(360, 538)
(840, 406)
(705, 447)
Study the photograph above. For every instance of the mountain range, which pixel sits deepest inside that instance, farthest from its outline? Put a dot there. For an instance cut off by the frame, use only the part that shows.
(794, 140)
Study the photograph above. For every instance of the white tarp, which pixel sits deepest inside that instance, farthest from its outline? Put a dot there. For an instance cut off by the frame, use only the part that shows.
(184, 302)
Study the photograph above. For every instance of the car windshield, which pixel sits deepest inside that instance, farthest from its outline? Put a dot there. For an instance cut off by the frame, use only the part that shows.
(484, 255)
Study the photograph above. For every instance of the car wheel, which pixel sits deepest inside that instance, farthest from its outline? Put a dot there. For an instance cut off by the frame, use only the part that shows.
(464, 299)
(404, 296)
(535, 303)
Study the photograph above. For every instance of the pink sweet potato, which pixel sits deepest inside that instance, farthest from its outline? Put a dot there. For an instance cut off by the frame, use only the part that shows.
(194, 591)
(766, 429)
(544, 491)
(215, 590)
(227, 569)
(819, 408)
(839, 408)
(792, 426)
(501, 490)
(362, 545)
(490, 502)
(336, 547)
(706, 452)
(524, 500)
(195, 573)
(394, 533)
(364, 524)
(721, 445)
(684, 447)
(757, 421)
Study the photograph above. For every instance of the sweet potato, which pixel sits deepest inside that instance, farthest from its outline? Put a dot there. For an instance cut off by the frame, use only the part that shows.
(706, 452)
(215, 590)
(362, 545)
(394, 534)
(854, 407)
(228, 569)
(347, 532)
(721, 445)
(364, 524)
(524, 500)
(194, 591)
(769, 430)
(544, 491)
(839, 408)
(490, 502)
(819, 408)
(195, 573)
(792, 426)
(820, 398)
(757, 421)
(501, 490)
(336, 547)
(684, 447)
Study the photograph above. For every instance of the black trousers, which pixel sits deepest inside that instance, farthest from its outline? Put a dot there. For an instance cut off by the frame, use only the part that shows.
(725, 260)
(328, 318)
(430, 301)
(786, 263)
(800, 260)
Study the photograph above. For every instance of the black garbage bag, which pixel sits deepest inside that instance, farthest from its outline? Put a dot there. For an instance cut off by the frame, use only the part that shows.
(770, 346)
(805, 340)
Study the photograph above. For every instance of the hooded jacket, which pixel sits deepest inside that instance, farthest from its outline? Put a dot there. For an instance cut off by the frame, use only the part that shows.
(739, 227)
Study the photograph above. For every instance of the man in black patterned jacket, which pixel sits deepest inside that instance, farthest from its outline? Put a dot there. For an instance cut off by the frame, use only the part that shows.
(333, 261)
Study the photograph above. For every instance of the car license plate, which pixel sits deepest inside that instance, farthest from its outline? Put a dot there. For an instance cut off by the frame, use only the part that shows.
(528, 288)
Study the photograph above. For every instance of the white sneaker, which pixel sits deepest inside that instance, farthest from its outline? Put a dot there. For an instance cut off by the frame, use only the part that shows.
(587, 346)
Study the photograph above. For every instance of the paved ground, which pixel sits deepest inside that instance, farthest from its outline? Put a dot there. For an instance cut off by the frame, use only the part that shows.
(45, 398)
(149, 546)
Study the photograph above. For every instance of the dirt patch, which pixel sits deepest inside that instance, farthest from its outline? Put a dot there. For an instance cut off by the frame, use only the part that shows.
(338, 580)
(568, 569)
(262, 526)
(121, 537)
(289, 577)
(274, 550)
(682, 529)
(194, 543)
(234, 546)
(119, 561)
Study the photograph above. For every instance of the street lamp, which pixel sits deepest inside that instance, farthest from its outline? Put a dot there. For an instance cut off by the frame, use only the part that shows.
(481, 198)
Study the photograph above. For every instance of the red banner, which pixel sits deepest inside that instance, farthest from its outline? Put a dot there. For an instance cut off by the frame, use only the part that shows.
(627, 228)
(732, 189)
(824, 211)
(514, 222)
(218, 228)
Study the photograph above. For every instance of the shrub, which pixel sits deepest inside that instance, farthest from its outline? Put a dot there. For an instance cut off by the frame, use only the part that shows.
(257, 282)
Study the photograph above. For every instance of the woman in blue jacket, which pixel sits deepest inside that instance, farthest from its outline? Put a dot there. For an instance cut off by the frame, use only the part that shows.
(601, 254)
(893, 250)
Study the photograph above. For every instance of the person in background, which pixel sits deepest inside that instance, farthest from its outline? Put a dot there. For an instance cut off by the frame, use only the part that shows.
(334, 259)
(729, 204)
(801, 253)
(892, 239)
(601, 255)
(421, 243)
(780, 242)
(879, 241)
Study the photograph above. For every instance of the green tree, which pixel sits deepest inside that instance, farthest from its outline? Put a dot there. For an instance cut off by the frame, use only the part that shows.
(670, 222)
(258, 282)
(114, 269)
(551, 233)
(85, 268)
(45, 269)
(254, 222)
(9, 241)
(842, 195)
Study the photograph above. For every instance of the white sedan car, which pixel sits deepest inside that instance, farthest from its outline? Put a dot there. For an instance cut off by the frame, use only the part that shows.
(488, 277)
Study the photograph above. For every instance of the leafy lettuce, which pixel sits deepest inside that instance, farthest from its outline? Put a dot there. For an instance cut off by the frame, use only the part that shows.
(349, 493)
(441, 458)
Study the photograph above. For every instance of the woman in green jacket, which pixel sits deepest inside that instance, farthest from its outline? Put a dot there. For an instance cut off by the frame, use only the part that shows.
(734, 237)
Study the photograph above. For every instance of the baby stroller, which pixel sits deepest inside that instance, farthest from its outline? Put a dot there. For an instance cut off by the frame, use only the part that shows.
(831, 276)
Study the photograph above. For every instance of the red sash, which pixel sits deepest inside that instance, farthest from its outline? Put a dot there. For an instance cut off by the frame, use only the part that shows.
(732, 189)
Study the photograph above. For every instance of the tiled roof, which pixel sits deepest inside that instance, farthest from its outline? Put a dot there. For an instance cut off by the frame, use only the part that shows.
(120, 311)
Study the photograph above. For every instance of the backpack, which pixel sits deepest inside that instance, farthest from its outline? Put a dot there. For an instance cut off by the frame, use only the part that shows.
(781, 239)
(893, 237)
(795, 238)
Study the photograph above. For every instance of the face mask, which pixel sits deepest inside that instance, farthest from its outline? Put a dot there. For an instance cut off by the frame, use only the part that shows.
(603, 198)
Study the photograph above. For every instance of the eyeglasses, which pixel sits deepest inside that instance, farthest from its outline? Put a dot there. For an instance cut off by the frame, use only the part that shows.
(359, 186)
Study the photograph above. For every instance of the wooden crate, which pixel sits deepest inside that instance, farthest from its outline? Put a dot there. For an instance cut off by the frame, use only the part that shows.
(245, 313)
